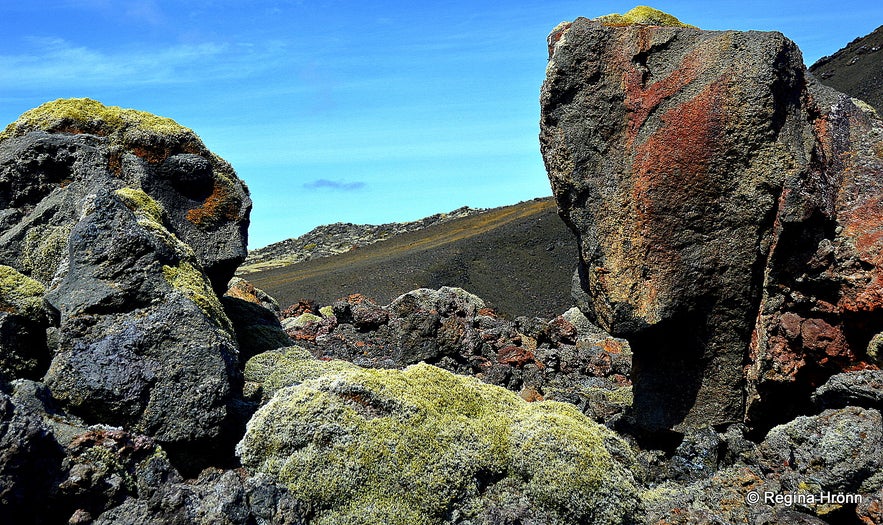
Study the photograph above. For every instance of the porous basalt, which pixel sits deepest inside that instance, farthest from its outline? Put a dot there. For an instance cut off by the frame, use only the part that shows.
(728, 213)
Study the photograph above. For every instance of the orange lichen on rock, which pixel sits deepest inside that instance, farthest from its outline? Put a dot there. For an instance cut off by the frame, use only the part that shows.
(221, 205)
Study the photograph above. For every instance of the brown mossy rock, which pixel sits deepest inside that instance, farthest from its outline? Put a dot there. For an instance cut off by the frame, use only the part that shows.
(717, 195)
(255, 318)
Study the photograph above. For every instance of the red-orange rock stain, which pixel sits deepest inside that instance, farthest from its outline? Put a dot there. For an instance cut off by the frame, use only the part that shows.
(640, 101)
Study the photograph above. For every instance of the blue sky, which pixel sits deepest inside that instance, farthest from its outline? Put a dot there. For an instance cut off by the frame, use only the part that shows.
(363, 112)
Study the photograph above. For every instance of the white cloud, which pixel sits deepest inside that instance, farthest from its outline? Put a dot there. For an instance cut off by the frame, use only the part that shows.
(52, 62)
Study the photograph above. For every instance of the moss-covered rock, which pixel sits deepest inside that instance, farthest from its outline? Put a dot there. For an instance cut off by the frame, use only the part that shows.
(193, 283)
(23, 322)
(425, 446)
(74, 145)
(20, 293)
(642, 15)
(84, 115)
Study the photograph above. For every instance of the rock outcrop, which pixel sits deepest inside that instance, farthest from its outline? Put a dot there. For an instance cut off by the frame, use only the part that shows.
(120, 229)
(728, 212)
(564, 359)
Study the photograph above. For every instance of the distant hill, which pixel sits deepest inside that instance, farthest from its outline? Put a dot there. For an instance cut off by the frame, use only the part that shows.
(518, 258)
(856, 70)
(340, 237)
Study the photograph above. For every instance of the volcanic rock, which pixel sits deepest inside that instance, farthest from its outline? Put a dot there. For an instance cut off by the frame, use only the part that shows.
(132, 227)
(565, 359)
(863, 388)
(727, 210)
(255, 318)
(30, 460)
(408, 446)
(23, 323)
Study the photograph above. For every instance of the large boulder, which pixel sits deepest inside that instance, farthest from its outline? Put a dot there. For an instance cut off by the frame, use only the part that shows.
(56, 154)
(727, 210)
(423, 445)
(133, 228)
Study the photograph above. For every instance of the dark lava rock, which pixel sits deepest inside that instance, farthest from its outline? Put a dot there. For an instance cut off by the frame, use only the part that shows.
(255, 318)
(133, 228)
(143, 342)
(23, 323)
(838, 451)
(565, 359)
(58, 153)
(30, 462)
(728, 210)
(862, 388)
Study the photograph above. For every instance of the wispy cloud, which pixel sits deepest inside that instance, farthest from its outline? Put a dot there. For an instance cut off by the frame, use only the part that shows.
(58, 62)
(335, 185)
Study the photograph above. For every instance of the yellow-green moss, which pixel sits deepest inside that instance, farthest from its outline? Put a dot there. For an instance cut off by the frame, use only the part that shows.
(195, 285)
(43, 248)
(20, 293)
(406, 446)
(84, 115)
(642, 15)
(285, 367)
(621, 397)
(865, 107)
(149, 215)
(326, 311)
(141, 203)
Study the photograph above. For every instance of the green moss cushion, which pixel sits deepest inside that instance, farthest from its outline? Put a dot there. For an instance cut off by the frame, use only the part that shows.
(425, 446)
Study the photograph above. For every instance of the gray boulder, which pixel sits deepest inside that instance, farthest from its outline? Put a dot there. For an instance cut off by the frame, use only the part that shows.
(134, 229)
(862, 388)
(837, 451)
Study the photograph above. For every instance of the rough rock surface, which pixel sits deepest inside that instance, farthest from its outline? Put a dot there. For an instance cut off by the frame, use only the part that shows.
(727, 210)
(131, 227)
(23, 323)
(423, 445)
(30, 459)
(565, 359)
(835, 452)
(861, 388)
(58, 153)
(255, 318)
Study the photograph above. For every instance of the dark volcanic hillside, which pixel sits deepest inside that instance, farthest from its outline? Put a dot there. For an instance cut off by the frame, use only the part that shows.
(519, 258)
(856, 70)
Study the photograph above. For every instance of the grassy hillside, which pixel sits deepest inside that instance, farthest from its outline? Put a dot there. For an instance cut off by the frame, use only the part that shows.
(518, 258)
